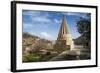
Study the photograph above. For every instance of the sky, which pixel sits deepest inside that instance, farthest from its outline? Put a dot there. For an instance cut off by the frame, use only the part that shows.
(46, 24)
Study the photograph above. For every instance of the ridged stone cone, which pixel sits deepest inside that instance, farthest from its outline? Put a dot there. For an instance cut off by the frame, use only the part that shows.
(64, 40)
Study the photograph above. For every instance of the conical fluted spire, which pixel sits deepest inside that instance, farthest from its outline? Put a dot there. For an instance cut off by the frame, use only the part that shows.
(64, 27)
(64, 40)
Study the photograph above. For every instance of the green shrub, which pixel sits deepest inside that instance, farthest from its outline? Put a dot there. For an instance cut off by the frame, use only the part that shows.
(31, 58)
(35, 58)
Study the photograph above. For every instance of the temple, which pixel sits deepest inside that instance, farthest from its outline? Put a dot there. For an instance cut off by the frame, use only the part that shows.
(64, 40)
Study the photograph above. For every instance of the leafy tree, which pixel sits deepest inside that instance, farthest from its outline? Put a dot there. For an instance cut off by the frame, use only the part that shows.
(84, 28)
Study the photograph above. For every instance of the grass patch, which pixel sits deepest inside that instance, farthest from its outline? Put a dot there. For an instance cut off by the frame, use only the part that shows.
(35, 58)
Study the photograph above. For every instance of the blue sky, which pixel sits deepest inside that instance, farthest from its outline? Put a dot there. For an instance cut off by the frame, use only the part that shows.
(46, 24)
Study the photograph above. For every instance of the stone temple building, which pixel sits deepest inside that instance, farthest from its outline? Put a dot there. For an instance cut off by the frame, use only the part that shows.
(64, 40)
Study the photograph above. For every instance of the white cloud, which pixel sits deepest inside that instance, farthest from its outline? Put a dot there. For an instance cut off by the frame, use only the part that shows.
(45, 35)
(69, 13)
(41, 19)
(57, 21)
(27, 26)
(75, 14)
(31, 13)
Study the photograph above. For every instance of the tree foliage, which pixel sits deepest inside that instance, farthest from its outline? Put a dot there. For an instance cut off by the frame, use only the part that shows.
(84, 28)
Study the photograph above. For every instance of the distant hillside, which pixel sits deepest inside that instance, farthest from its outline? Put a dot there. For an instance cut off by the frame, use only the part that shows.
(78, 41)
(34, 43)
(27, 35)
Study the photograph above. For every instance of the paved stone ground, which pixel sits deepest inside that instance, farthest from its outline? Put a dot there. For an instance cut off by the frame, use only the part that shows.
(75, 54)
(59, 57)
